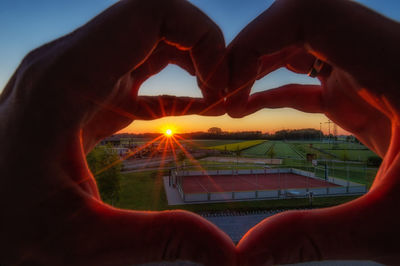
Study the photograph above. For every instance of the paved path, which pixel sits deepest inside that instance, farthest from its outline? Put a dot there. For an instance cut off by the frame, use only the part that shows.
(313, 263)
(172, 193)
(237, 226)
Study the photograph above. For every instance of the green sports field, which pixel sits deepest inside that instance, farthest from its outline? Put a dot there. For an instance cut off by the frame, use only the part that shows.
(335, 151)
(239, 146)
(285, 150)
(207, 143)
(352, 155)
(259, 150)
(274, 149)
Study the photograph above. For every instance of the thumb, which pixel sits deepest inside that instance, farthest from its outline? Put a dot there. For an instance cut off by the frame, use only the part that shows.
(120, 237)
(350, 231)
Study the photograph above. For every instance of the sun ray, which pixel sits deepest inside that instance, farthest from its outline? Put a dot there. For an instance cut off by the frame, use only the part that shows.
(173, 109)
(128, 155)
(159, 177)
(164, 154)
(148, 109)
(188, 140)
(196, 163)
(186, 109)
(223, 99)
(153, 152)
(161, 102)
(112, 108)
(216, 67)
(212, 106)
(173, 150)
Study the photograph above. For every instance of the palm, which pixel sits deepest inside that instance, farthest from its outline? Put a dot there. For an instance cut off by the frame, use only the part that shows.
(292, 34)
(80, 89)
(343, 105)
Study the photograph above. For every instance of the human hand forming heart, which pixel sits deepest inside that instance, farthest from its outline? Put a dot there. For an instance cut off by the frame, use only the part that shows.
(83, 87)
(72, 93)
(356, 92)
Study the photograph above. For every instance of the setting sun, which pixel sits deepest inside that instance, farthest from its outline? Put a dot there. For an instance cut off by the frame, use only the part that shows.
(169, 132)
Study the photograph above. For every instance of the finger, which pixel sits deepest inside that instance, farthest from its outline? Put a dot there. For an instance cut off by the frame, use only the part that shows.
(159, 59)
(119, 111)
(295, 59)
(306, 98)
(112, 117)
(309, 98)
(135, 28)
(206, 45)
(308, 25)
(142, 237)
(153, 107)
(362, 229)
(118, 114)
(262, 37)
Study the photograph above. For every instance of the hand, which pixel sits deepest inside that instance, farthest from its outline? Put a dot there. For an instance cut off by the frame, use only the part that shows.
(359, 92)
(62, 100)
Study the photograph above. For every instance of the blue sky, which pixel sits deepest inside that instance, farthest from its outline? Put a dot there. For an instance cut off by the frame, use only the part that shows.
(26, 24)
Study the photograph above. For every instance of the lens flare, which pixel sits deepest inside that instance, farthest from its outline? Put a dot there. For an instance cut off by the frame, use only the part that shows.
(169, 132)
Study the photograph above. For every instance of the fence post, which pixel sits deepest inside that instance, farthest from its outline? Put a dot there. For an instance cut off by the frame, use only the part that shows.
(365, 173)
(347, 178)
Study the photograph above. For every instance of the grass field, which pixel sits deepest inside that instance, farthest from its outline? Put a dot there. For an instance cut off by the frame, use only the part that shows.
(144, 191)
(352, 155)
(279, 149)
(239, 146)
(204, 143)
(338, 151)
(355, 174)
(284, 150)
(258, 150)
(211, 165)
(305, 148)
(340, 146)
(288, 149)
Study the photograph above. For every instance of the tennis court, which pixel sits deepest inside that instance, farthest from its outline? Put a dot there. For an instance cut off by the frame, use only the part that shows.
(250, 182)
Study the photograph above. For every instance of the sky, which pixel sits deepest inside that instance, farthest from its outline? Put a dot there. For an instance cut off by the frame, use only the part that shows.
(27, 24)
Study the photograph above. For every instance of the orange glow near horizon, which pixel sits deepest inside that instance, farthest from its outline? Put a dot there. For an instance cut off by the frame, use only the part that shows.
(267, 121)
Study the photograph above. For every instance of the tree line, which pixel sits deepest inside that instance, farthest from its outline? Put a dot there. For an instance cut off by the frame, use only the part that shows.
(218, 133)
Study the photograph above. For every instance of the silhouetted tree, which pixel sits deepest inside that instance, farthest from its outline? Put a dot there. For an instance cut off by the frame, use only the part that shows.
(215, 130)
(108, 181)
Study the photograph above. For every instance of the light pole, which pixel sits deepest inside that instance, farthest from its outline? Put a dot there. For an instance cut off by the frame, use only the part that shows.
(320, 131)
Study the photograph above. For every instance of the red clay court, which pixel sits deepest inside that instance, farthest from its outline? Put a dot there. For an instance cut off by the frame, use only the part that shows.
(250, 182)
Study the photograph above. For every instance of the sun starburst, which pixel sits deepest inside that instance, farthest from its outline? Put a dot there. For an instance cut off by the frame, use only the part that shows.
(168, 132)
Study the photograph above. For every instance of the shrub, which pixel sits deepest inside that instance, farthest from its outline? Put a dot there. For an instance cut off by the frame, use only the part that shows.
(374, 161)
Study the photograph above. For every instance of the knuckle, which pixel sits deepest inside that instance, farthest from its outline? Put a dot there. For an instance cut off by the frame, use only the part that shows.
(236, 113)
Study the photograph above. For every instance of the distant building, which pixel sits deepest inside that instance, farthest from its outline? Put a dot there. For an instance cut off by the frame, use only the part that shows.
(127, 142)
(112, 140)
